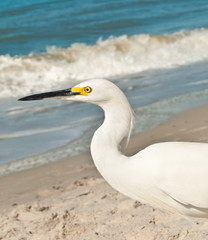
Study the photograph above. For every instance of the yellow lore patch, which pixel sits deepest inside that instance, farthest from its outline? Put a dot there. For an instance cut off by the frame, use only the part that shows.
(83, 91)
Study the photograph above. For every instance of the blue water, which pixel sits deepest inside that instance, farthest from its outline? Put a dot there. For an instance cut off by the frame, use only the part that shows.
(155, 51)
(32, 25)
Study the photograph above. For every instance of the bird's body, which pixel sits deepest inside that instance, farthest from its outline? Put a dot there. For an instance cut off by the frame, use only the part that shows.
(170, 175)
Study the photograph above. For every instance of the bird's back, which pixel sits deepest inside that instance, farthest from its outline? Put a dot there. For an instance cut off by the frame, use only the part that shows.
(176, 173)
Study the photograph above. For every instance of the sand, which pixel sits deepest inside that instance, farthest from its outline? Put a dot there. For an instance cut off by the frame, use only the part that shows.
(70, 200)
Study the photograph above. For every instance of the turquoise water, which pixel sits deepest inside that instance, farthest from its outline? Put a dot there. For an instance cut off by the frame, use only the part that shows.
(32, 25)
(155, 51)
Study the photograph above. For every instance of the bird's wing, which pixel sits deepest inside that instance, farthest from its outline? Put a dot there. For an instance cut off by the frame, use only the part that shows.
(189, 196)
(182, 171)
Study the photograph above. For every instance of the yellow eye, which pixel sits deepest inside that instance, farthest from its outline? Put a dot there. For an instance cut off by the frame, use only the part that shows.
(88, 89)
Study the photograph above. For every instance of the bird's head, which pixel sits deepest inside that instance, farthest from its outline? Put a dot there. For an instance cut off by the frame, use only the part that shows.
(95, 91)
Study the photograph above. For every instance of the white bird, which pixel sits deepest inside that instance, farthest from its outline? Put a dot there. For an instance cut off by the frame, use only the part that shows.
(169, 175)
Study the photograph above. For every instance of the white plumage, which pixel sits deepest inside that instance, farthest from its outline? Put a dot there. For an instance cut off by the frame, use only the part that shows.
(170, 175)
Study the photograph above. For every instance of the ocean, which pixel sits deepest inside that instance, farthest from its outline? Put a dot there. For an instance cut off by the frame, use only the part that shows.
(156, 51)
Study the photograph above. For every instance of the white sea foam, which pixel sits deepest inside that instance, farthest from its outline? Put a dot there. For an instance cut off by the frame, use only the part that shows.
(30, 132)
(21, 75)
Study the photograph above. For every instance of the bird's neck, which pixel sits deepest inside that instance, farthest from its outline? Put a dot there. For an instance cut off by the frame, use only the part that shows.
(106, 140)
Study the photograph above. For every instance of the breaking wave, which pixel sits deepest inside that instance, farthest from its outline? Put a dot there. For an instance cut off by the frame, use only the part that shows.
(21, 75)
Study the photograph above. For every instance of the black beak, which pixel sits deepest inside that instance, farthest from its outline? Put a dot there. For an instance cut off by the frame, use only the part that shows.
(40, 96)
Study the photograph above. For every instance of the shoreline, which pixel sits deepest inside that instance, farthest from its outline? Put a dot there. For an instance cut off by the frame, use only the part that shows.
(74, 185)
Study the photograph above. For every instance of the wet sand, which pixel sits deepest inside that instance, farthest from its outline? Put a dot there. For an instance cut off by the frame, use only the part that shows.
(70, 200)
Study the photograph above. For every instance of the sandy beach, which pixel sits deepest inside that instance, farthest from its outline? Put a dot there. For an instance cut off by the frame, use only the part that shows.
(70, 200)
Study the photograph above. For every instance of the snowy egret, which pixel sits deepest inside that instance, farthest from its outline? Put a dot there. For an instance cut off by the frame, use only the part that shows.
(169, 175)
